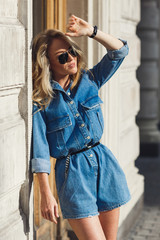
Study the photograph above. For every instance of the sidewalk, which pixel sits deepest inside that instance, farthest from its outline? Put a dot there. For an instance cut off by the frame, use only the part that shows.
(147, 225)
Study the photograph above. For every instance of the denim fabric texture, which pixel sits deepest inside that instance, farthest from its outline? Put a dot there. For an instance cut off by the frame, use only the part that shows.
(94, 183)
(90, 181)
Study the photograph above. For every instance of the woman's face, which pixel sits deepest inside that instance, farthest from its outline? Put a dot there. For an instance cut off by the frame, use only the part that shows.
(57, 47)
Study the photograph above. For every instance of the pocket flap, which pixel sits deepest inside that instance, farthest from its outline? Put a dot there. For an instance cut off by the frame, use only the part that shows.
(59, 123)
(92, 102)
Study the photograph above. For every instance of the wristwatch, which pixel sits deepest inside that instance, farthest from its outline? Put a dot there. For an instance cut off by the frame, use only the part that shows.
(94, 32)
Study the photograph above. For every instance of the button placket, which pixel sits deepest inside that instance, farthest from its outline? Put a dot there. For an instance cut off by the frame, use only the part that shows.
(93, 160)
(80, 121)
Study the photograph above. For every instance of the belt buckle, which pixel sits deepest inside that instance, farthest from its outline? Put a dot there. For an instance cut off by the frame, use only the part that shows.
(89, 146)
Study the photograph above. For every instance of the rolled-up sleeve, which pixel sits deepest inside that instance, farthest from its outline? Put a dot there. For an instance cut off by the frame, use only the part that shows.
(120, 53)
(109, 64)
(40, 161)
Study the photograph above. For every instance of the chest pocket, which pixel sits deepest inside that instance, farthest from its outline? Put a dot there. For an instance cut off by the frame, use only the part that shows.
(58, 131)
(58, 123)
(94, 114)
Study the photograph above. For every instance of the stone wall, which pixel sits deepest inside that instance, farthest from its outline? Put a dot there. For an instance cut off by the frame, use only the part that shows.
(15, 17)
(124, 104)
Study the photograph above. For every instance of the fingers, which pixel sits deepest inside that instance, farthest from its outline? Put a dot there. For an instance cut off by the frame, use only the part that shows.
(52, 217)
(56, 211)
(50, 213)
(73, 25)
(72, 21)
(71, 34)
(45, 215)
(73, 18)
(77, 27)
(72, 28)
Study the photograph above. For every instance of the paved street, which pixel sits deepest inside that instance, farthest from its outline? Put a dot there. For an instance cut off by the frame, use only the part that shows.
(147, 225)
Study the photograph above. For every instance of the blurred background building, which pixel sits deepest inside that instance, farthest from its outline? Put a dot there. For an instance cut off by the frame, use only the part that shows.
(148, 118)
(134, 87)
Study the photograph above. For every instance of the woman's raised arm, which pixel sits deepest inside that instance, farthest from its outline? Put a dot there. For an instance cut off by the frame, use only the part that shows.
(78, 27)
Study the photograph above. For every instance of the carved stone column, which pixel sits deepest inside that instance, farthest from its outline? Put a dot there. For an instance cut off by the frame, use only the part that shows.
(148, 76)
(15, 119)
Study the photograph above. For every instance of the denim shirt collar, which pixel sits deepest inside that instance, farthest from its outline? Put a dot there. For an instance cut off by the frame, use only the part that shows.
(56, 86)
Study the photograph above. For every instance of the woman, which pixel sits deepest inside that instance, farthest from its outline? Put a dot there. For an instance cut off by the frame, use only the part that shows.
(68, 125)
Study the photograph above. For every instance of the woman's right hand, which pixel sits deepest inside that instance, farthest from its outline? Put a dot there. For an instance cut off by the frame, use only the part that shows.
(49, 207)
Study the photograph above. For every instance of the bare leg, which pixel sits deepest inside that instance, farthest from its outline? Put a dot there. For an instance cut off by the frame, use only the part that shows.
(109, 222)
(87, 228)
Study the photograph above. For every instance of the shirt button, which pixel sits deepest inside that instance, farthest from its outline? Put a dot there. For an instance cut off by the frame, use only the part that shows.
(88, 137)
(71, 102)
(77, 114)
(69, 93)
(82, 125)
(91, 155)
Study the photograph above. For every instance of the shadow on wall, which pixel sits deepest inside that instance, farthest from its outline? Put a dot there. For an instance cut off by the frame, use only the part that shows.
(24, 200)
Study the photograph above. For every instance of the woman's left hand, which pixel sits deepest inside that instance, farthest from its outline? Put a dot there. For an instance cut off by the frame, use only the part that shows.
(78, 27)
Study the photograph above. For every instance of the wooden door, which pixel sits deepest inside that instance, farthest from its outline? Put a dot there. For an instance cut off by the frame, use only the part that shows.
(48, 14)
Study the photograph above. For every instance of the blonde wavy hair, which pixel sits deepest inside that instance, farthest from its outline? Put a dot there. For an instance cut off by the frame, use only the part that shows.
(42, 90)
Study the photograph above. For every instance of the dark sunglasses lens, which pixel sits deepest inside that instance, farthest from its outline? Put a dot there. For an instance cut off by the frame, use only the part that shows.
(63, 58)
(72, 52)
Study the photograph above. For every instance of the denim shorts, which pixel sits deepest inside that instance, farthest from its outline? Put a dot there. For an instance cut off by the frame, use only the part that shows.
(90, 182)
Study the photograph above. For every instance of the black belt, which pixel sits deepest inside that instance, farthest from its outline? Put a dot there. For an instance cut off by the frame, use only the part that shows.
(85, 149)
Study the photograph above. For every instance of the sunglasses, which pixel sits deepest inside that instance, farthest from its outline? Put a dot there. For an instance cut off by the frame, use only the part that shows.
(63, 58)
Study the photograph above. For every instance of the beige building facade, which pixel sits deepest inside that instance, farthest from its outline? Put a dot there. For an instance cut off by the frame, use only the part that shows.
(121, 104)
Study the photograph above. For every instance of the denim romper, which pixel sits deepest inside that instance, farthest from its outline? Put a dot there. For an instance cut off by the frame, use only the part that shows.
(91, 181)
